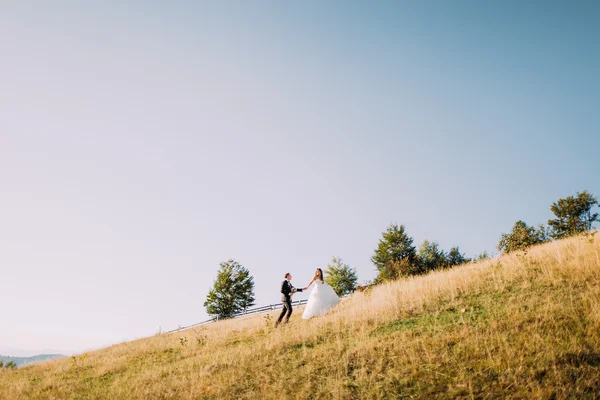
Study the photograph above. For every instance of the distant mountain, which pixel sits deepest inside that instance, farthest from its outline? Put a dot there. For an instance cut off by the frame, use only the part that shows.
(20, 352)
(31, 360)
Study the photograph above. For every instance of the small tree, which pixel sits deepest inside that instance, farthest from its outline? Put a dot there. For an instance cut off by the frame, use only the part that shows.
(395, 255)
(521, 237)
(573, 215)
(482, 256)
(431, 257)
(232, 292)
(341, 277)
(455, 257)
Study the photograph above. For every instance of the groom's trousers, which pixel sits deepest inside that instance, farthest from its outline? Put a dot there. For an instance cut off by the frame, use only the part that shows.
(285, 312)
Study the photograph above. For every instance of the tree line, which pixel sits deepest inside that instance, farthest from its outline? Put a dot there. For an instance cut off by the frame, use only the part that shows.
(396, 256)
(572, 216)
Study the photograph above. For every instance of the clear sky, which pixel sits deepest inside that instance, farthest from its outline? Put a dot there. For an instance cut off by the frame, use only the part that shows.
(142, 143)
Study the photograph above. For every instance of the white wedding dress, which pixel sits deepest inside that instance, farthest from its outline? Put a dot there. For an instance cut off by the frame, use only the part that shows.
(321, 299)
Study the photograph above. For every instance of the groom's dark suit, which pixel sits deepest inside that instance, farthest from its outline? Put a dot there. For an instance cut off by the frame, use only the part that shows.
(286, 290)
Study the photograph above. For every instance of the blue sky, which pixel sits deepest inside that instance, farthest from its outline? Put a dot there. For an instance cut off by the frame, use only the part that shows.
(141, 144)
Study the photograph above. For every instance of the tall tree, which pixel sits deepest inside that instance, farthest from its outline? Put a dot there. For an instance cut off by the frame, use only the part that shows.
(431, 256)
(341, 277)
(455, 257)
(521, 237)
(232, 292)
(395, 255)
(573, 215)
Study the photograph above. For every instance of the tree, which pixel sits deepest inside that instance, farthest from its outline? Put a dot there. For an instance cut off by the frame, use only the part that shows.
(232, 292)
(341, 277)
(395, 255)
(431, 257)
(482, 256)
(573, 215)
(521, 237)
(455, 257)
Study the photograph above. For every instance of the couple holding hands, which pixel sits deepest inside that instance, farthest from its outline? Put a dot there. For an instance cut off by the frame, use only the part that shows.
(321, 299)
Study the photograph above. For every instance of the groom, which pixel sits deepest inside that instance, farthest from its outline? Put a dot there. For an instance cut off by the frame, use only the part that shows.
(287, 290)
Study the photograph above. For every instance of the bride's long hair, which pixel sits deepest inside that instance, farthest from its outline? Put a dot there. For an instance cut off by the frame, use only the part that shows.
(319, 274)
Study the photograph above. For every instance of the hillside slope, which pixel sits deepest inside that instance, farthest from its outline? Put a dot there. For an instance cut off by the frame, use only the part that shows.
(522, 326)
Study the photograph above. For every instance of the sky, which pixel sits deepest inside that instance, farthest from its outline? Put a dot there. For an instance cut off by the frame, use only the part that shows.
(143, 143)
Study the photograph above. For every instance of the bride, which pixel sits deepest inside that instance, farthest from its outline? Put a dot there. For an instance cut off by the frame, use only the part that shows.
(321, 299)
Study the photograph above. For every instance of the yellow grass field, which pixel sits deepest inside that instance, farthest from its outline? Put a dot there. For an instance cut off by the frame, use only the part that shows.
(521, 326)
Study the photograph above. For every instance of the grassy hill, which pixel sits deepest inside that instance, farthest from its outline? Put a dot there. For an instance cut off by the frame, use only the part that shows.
(521, 326)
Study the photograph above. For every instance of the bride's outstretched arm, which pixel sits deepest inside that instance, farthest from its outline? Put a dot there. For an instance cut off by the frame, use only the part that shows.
(311, 282)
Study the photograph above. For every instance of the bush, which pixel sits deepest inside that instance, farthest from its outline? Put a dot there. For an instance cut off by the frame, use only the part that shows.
(11, 365)
(521, 237)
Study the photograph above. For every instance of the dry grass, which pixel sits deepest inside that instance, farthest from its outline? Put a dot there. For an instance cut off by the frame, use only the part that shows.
(522, 326)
